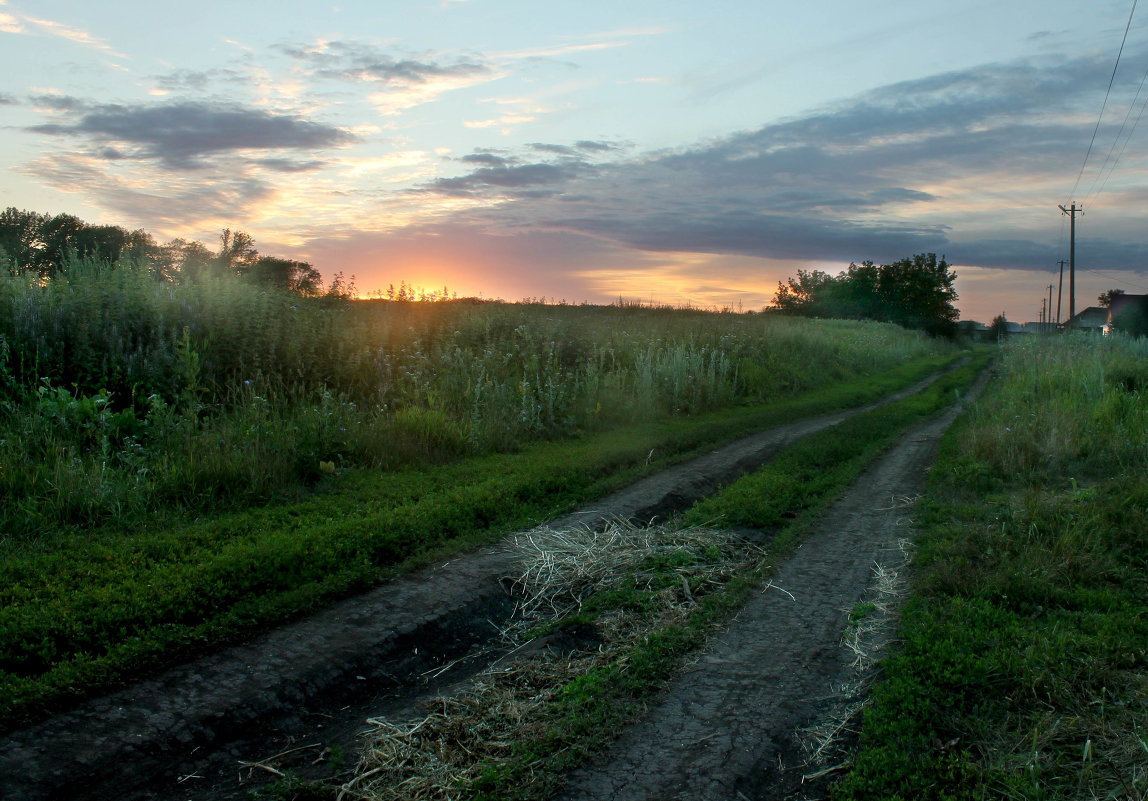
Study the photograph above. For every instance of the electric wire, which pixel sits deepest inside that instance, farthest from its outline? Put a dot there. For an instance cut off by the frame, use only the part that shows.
(1104, 105)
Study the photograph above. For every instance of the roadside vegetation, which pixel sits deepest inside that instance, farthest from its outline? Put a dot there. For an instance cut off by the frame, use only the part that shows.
(185, 462)
(645, 598)
(1023, 666)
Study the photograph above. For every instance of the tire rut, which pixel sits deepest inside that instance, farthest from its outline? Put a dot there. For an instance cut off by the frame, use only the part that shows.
(725, 728)
(182, 734)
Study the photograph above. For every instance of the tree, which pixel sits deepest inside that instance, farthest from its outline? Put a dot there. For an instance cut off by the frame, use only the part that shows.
(999, 327)
(237, 251)
(915, 292)
(1106, 298)
(1131, 316)
(294, 276)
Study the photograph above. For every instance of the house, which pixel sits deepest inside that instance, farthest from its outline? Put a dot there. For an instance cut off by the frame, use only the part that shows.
(1129, 312)
(1039, 328)
(1094, 318)
(977, 332)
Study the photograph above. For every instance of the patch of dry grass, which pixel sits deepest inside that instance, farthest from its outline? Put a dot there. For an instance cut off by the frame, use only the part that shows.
(663, 571)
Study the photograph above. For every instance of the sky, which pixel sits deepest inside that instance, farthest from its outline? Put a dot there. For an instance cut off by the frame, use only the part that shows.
(665, 152)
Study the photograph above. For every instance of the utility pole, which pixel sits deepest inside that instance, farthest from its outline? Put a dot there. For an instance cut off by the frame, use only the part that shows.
(1059, 290)
(1072, 257)
(1047, 317)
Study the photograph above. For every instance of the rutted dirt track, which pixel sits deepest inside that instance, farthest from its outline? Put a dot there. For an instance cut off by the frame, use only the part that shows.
(718, 733)
(725, 729)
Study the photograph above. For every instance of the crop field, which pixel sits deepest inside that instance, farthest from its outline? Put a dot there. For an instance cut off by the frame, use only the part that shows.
(183, 465)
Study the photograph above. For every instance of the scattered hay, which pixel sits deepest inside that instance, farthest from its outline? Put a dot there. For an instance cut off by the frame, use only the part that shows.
(438, 757)
(865, 638)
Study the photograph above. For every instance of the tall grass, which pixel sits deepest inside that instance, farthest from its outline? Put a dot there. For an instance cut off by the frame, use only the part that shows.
(121, 394)
(1024, 667)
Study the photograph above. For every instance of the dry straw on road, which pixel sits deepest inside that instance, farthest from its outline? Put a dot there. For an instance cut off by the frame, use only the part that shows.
(438, 756)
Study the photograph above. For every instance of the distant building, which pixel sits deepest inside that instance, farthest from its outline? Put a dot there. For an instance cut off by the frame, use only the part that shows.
(1094, 318)
(1039, 328)
(1133, 309)
(977, 332)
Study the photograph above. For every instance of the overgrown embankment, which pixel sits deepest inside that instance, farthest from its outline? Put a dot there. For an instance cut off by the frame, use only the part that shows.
(1023, 671)
(137, 529)
(123, 397)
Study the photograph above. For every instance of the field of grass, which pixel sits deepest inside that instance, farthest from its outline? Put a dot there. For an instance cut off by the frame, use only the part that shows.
(546, 720)
(123, 397)
(183, 465)
(1023, 666)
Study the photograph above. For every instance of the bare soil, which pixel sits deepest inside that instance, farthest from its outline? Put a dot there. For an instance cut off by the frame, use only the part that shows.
(295, 699)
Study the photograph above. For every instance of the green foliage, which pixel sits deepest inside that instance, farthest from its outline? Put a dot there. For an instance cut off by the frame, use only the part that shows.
(591, 708)
(1023, 661)
(80, 608)
(915, 292)
(243, 392)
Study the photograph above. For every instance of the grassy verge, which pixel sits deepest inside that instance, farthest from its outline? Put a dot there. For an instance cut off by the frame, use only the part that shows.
(668, 609)
(82, 611)
(1023, 669)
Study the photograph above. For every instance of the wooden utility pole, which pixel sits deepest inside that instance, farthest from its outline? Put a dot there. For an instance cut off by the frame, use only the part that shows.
(1059, 290)
(1072, 257)
(1047, 321)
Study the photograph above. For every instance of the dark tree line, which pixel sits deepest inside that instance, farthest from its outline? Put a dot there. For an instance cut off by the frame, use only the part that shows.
(44, 245)
(915, 292)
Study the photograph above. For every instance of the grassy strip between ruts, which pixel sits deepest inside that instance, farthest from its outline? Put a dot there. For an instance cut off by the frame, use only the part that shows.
(1023, 666)
(86, 611)
(784, 498)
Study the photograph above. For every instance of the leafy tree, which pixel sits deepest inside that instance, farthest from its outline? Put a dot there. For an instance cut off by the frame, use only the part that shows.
(20, 238)
(1106, 298)
(237, 252)
(294, 276)
(1132, 317)
(999, 327)
(915, 292)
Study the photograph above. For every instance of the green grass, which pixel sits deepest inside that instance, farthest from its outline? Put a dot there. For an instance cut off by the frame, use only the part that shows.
(82, 611)
(123, 397)
(590, 709)
(1023, 668)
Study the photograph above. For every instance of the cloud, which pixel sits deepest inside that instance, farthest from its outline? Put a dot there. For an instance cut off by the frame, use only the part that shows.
(196, 80)
(402, 82)
(23, 24)
(487, 158)
(7, 99)
(502, 178)
(180, 135)
(170, 202)
(892, 172)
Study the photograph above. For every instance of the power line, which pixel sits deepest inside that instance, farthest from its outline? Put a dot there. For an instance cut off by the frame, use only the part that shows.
(1103, 105)
(1131, 131)
(1118, 278)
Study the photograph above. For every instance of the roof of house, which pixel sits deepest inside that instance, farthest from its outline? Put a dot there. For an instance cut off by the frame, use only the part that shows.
(1092, 317)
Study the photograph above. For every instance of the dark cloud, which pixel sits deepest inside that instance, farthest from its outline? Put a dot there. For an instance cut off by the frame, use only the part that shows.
(180, 134)
(848, 182)
(527, 177)
(560, 150)
(487, 159)
(595, 147)
(354, 61)
(7, 99)
(59, 102)
(289, 166)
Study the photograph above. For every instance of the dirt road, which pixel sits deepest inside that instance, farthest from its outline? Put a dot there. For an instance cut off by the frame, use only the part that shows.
(308, 687)
(726, 728)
